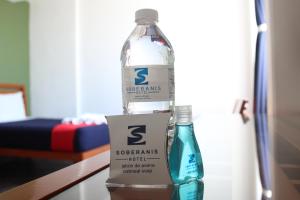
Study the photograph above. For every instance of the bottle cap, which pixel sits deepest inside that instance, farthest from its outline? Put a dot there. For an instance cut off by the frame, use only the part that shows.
(146, 15)
(183, 114)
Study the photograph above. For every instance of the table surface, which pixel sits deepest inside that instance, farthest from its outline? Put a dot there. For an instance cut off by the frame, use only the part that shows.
(243, 158)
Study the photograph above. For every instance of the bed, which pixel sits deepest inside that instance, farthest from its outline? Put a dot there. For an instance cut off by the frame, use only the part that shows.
(23, 136)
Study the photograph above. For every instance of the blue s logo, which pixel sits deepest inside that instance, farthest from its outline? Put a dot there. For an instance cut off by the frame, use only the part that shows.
(141, 75)
(192, 158)
(137, 132)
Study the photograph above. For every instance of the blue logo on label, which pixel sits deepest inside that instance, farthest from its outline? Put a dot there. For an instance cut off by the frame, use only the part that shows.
(137, 132)
(141, 75)
(192, 158)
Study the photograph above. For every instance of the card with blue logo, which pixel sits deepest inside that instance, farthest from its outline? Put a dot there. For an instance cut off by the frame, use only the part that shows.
(138, 155)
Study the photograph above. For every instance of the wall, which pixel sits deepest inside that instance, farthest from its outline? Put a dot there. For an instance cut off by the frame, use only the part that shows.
(75, 51)
(14, 43)
(52, 56)
(285, 55)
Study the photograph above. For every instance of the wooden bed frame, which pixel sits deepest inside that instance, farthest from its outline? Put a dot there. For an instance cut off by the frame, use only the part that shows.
(74, 156)
(8, 88)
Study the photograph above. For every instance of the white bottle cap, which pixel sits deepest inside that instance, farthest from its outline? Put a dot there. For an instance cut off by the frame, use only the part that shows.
(146, 15)
(183, 114)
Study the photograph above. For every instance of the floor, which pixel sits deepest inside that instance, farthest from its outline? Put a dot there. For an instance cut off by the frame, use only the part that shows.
(17, 171)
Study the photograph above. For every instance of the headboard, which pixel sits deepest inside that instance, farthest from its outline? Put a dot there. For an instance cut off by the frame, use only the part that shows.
(8, 88)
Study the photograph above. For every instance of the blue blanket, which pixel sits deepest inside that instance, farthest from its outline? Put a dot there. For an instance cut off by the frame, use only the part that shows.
(35, 134)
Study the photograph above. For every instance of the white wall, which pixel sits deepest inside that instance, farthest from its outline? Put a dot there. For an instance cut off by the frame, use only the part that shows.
(52, 58)
(79, 43)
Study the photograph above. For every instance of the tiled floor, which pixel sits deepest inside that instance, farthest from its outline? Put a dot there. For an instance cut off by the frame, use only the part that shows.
(16, 171)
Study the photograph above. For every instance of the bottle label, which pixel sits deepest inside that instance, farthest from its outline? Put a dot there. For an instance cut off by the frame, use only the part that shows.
(148, 83)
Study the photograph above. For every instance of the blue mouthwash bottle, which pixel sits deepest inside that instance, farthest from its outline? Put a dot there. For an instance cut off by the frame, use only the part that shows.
(185, 161)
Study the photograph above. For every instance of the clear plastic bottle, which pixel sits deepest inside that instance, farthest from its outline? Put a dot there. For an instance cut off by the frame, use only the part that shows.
(185, 161)
(147, 68)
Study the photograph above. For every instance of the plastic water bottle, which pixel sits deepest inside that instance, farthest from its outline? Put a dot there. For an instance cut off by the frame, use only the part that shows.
(185, 161)
(147, 68)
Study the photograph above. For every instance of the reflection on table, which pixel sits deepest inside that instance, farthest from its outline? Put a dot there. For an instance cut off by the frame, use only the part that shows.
(189, 191)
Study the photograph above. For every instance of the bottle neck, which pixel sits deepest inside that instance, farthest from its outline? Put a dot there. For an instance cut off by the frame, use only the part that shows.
(184, 129)
(147, 29)
(145, 22)
(184, 123)
(183, 119)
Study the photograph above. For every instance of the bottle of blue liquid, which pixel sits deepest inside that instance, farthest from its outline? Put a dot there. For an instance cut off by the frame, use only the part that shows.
(185, 161)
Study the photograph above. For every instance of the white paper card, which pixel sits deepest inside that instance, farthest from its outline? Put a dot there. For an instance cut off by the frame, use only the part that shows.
(139, 150)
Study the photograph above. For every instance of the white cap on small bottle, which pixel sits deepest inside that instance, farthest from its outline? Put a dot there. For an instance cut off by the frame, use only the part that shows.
(183, 114)
(146, 15)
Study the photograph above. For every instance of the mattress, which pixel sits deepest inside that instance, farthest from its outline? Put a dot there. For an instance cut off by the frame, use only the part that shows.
(52, 135)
